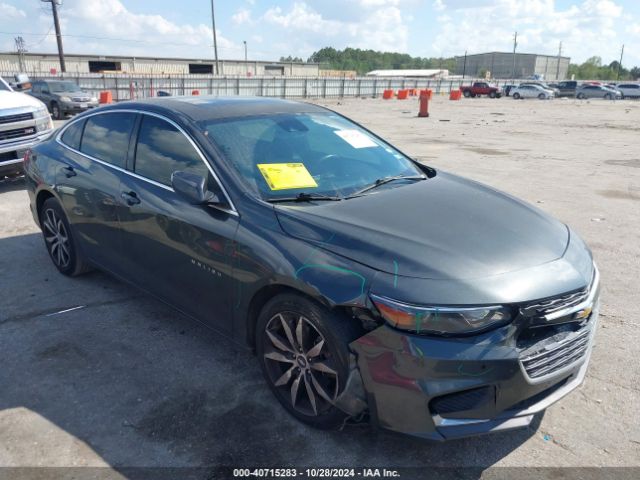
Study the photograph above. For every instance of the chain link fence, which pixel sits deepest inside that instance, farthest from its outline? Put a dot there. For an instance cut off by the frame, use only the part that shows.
(128, 87)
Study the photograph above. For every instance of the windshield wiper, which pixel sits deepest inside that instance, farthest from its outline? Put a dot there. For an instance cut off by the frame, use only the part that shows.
(305, 197)
(385, 180)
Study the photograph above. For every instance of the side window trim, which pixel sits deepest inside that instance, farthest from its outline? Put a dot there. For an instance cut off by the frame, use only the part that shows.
(134, 135)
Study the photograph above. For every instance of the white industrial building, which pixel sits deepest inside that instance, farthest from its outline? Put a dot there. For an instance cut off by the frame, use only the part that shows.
(38, 63)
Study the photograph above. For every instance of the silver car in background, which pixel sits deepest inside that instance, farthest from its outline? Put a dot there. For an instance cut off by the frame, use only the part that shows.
(629, 90)
(531, 90)
(597, 91)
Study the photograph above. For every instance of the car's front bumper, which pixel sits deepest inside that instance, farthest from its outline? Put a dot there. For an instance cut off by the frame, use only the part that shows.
(443, 388)
(77, 107)
(12, 153)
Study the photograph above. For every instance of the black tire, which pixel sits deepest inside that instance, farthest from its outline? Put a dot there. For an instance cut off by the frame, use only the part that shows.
(492, 94)
(59, 240)
(541, 96)
(608, 96)
(581, 96)
(292, 372)
(516, 96)
(56, 111)
(467, 93)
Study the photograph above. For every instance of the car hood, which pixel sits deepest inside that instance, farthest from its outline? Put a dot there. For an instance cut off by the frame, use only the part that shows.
(445, 227)
(17, 100)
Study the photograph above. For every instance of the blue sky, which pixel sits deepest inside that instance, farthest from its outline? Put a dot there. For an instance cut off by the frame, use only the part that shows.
(299, 27)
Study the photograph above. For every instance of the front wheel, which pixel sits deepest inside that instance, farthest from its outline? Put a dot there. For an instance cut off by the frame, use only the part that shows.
(59, 240)
(608, 96)
(581, 96)
(56, 112)
(492, 94)
(542, 96)
(516, 96)
(303, 352)
(467, 93)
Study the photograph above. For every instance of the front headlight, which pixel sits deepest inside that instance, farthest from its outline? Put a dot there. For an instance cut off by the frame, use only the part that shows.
(440, 320)
(65, 99)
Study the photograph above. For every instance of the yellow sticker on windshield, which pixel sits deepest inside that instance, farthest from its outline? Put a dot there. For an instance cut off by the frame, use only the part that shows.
(284, 176)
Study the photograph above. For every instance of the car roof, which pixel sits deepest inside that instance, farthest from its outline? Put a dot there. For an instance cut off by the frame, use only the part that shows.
(199, 108)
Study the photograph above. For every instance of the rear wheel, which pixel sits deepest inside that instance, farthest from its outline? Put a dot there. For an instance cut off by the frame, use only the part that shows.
(542, 96)
(516, 96)
(59, 240)
(303, 352)
(467, 93)
(581, 96)
(608, 96)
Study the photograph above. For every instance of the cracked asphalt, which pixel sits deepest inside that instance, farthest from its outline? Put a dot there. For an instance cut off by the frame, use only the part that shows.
(121, 380)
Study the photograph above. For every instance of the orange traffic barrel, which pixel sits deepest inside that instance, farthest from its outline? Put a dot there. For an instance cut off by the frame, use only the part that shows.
(424, 103)
(455, 95)
(387, 94)
(106, 97)
(403, 94)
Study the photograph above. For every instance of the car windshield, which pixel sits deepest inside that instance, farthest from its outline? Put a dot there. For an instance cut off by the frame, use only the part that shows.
(313, 154)
(64, 87)
(4, 86)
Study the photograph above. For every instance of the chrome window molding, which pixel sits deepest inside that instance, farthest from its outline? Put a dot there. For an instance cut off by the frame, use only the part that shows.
(231, 211)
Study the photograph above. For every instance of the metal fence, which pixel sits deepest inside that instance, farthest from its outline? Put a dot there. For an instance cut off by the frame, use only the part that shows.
(127, 87)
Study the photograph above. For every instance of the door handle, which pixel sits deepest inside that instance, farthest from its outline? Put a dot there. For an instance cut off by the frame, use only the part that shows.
(130, 197)
(69, 172)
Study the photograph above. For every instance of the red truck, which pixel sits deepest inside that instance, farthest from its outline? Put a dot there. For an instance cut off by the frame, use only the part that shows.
(481, 88)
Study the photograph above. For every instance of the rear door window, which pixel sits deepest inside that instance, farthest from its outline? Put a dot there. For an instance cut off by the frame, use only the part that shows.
(162, 149)
(106, 137)
(73, 134)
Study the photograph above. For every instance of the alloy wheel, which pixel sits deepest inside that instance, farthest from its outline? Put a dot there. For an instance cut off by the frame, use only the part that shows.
(299, 363)
(57, 238)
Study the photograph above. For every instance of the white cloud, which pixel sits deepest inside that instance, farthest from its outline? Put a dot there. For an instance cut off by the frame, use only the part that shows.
(380, 25)
(150, 34)
(10, 12)
(242, 16)
(478, 26)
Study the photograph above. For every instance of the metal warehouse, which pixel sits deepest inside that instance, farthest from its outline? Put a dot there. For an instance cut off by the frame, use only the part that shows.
(510, 65)
(32, 63)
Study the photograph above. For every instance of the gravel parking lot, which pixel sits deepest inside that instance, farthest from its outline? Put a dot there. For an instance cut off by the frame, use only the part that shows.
(94, 373)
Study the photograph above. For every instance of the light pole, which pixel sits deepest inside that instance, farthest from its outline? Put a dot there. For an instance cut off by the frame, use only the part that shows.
(515, 44)
(246, 64)
(215, 41)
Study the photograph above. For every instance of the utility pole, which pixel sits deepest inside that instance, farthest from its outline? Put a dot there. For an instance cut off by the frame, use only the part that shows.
(215, 41)
(21, 49)
(464, 65)
(620, 63)
(515, 44)
(559, 55)
(56, 22)
(246, 65)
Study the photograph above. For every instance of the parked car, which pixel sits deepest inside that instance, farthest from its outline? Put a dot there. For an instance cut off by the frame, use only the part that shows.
(62, 97)
(306, 237)
(597, 91)
(544, 85)
(629, 90)
(506, 89)
(530, 90)
(567, 88)
(24, 121)
(481, 88)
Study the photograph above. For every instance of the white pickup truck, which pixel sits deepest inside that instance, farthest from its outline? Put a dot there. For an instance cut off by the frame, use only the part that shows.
(24, 121)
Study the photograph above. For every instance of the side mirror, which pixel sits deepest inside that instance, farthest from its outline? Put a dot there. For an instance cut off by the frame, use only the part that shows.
(193, 188)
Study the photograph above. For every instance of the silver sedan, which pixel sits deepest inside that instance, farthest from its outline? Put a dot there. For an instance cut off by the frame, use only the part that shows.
(531, 91)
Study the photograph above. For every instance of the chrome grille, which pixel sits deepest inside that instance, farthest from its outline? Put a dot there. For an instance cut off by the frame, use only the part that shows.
(557, 355)
(20, 117)
(17, 133)
(550, 305)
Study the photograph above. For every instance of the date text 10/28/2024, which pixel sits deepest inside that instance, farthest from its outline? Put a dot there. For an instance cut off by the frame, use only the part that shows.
(315, 473)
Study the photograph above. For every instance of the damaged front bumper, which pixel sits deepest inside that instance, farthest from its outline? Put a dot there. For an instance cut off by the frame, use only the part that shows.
(443, 388)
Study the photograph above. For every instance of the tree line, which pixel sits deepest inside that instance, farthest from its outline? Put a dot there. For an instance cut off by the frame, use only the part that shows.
(363, 61)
